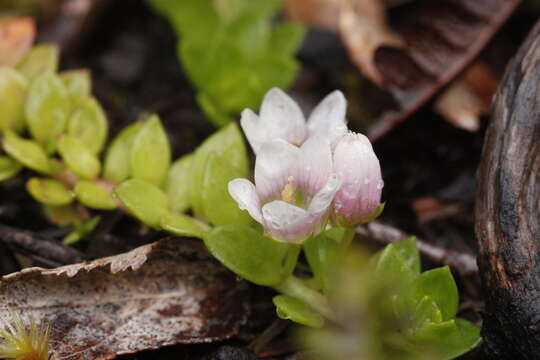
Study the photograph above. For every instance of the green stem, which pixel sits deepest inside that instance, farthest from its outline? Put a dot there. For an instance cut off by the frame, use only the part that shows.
(293, 286)
(350, 232)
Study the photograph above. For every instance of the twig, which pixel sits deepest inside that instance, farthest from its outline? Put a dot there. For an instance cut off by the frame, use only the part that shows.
(271, 332)
(464, 264)
(42, 249)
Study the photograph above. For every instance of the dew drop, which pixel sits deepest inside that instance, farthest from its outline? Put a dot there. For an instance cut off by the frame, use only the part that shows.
(380, 185)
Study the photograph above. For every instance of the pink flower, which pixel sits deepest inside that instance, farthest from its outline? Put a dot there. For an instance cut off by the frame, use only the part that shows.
(281, 118)
(294, 188)
(358, 199)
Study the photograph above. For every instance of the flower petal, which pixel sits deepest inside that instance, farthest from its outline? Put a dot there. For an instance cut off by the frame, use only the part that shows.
(323, 199)
(286, 222)
(276, 162)
(360, 171)
(244, 193)
(315, 165)
(281, 118)
(250, 125)
(328, 118)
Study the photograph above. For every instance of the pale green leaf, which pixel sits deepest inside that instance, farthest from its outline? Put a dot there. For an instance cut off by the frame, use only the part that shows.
(78, 158)
(50, 192)
(27, 152)
(13, 88)
(117, 161)
(88, 124)
(94, 195)
(291, 308)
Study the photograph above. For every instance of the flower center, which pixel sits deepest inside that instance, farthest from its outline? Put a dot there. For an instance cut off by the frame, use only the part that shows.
(292, 194)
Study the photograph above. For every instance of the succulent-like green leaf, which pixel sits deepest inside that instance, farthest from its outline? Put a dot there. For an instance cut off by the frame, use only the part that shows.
(426, 312)
(144, 200)
(150, 155)
(64, 215)
(291, 308)
(250, 254)
(184, 225)
(8, 168)
(322, 252)
(78, 84)
(88, 124)
(229, 145)
(42, 59)
(94, 196)
(50, 192)
(48, 108)
(178, 184)
(409, 252)
(117, 161)
(440, 286)
(27, 152)
(218, 205)
(78, 158)
(13, 87)
(82, 228)
(393, 265)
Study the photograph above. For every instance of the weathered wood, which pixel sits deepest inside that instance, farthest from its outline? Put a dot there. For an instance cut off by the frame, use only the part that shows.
(508, 211)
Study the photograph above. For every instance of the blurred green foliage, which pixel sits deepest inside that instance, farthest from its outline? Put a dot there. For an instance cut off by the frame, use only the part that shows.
(232, 51)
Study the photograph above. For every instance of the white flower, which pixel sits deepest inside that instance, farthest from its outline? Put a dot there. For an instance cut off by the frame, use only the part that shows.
(294, 188)
(359, 196)
(281, 118)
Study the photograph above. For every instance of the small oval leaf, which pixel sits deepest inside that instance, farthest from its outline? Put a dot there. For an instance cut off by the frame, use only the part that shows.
(94, 196)
(440, 286)
(13, 87)
(50, 192)
(291, 308)
(48, 108)
(8, 168)
(150, 155)
(78, 158)
(27, 152)
(178, 184)
(144, 200)
(117, 167)
(42, 59)
(88, 124)
(184, 225)
(78, 84)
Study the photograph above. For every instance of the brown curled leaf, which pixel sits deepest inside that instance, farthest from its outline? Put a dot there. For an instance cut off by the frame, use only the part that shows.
(16, 38)
(169, 292)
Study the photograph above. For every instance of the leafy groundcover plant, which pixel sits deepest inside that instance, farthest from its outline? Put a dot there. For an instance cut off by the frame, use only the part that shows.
(314, 182)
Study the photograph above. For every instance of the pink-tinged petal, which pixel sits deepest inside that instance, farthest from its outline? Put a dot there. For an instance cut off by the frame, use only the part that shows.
(328, 118)
(281, 118)
(250, 125)
(360, 193)
(321, 204)
(244, 193)
(275, 164)
(315, 166)
(286, 222)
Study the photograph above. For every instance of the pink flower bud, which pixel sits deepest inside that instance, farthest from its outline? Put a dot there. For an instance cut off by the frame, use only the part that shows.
(359, 197)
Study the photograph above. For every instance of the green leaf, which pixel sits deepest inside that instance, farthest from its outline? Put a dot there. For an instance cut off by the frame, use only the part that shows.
(78, 84)
(228, 144)
(439, 285)
(94, 196)
(409, 252)
(88, 124)
(287, 38)
(64, 215)
(13, 87)
(42, 59)
(48, 108)
(426, 311)
(78, 158)
(322, 252)
(184, 225)
(291, 308)
(50, 192)
(448, 339)
(252, 255)
(117, 164)
(150, 156)
(144, 200)
(8, 168)
(218, 205)
(27, 152)
(82, 228)
(394, 266)
(178, 184)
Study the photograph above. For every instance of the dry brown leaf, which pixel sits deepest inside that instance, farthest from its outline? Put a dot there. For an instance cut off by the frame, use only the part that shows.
(16, 38)
(166, 293)
(428, 208)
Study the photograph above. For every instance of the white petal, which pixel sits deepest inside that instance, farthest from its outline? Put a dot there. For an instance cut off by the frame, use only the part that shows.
(315, 165)
(276, 162)
(328, 118)
(250, 124)
(282, 118)
(286, 222)
(244, 193)
(322, 200)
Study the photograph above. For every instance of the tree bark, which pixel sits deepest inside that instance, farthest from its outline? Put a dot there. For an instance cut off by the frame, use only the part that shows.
(508, 211)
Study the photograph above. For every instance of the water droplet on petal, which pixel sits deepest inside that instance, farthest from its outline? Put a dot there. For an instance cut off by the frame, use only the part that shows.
(380, 185)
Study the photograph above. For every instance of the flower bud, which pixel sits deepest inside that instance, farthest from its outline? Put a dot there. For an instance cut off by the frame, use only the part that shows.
(358, 199)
